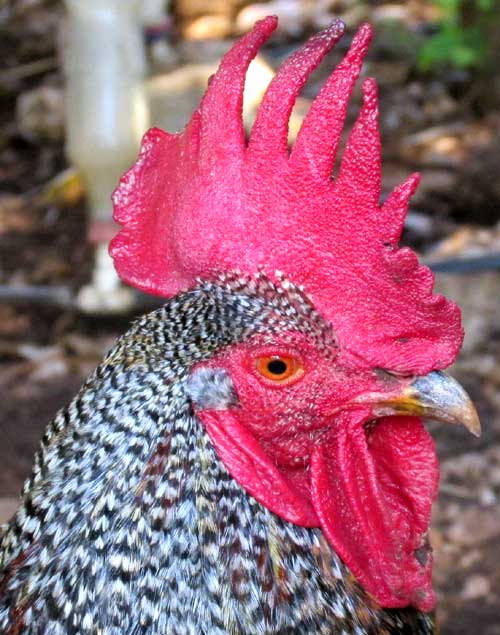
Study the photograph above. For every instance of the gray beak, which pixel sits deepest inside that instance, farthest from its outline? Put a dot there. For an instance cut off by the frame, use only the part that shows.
(435, 396)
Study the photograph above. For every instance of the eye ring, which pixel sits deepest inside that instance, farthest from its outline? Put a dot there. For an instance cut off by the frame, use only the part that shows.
(279, 369)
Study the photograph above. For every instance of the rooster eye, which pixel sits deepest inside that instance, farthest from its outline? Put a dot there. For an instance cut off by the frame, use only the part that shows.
(279, 368)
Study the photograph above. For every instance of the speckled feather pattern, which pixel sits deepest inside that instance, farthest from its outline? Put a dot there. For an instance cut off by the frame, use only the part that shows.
(131, 525)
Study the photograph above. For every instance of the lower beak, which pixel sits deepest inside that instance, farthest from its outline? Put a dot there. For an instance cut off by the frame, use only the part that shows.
(435, 396)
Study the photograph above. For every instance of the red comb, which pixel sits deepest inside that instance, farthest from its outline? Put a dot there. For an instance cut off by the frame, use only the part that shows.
(207, 201)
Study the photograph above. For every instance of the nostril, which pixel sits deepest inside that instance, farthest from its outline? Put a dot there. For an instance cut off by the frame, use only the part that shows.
(385, 374)
(382, 374)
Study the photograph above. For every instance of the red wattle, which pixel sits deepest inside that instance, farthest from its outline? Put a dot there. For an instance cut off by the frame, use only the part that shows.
(373, 500)
(370, 492)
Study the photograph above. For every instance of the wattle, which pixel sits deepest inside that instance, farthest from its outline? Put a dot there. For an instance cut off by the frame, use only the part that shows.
(373, 495)
(370, 492)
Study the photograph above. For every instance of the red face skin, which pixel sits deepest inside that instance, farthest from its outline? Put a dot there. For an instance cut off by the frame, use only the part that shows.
(303, 450)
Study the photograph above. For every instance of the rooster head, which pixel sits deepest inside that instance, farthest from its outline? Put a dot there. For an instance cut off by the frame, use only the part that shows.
(320, 424)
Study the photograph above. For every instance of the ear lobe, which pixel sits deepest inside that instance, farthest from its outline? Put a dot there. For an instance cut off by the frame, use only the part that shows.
(212, 388)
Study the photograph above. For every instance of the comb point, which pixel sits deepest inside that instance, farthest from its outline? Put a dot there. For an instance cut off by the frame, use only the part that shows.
(199, 203)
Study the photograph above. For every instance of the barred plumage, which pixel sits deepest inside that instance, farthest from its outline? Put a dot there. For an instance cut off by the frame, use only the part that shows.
(131, 524)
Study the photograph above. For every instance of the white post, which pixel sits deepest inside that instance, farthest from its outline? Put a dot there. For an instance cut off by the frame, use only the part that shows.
(106, 112)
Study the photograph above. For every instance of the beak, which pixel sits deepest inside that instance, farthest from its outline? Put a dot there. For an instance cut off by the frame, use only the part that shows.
(435, 396)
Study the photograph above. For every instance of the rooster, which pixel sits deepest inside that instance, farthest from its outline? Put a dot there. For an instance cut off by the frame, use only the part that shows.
(250, 458)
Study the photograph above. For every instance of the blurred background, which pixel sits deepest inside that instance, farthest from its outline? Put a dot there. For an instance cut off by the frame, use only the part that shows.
(81, 81)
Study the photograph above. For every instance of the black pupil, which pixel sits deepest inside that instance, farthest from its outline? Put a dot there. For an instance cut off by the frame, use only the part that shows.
(277, 367)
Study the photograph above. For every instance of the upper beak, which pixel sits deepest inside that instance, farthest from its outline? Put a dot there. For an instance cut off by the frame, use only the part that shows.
(435, 396)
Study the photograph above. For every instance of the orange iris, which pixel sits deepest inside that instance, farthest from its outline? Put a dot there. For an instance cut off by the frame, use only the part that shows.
(279, 368)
